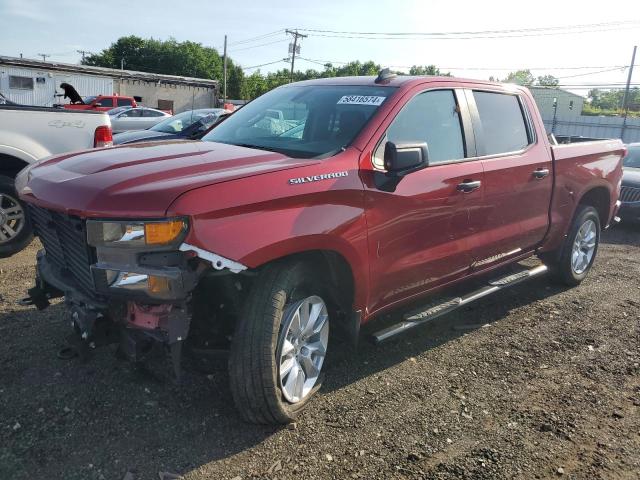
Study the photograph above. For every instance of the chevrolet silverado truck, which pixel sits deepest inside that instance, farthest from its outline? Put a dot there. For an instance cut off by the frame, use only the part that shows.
(28, 134)
(259, 243)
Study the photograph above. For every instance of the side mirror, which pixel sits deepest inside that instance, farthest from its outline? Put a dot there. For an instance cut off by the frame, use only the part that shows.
(401, 159)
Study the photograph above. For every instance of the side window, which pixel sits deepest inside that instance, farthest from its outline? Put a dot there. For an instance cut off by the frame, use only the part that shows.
(151, 113)
(20, 83)
(431, 117)
(133, 113)
(124, 102)
(106, 102)
(504, 128)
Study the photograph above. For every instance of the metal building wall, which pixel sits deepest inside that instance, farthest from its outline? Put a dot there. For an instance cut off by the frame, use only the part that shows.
(544, 100)
(44, 94)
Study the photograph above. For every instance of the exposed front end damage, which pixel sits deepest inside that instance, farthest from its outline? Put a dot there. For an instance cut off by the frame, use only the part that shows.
(123, 282)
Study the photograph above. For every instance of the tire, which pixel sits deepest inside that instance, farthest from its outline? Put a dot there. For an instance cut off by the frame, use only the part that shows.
(569, 266)
(263, 334)
(15, 228)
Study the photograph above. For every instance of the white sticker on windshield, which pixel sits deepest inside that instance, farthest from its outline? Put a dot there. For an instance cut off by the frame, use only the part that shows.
(361, 100)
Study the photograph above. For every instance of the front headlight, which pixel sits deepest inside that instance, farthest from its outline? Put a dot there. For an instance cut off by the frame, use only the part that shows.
(153, 233)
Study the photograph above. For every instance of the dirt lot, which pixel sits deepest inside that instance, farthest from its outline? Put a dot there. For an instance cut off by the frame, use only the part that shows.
(536, 382)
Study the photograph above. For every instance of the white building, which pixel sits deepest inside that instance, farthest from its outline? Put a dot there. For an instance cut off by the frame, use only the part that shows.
(33, 82)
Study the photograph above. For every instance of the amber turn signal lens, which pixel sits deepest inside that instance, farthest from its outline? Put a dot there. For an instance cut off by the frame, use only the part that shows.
(161, 233)
(158, 285)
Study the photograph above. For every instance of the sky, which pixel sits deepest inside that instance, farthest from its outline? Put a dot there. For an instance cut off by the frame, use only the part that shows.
(61, 27)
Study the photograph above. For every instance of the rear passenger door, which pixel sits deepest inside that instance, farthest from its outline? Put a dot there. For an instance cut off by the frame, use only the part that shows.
(517, 174)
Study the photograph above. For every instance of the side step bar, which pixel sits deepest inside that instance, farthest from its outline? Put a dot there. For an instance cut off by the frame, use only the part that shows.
(414, 319)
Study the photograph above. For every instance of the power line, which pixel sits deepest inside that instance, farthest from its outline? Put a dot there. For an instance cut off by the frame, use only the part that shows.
(264, 64)
(261, 45)
(255, 39)
(477, 32)
(612, 67)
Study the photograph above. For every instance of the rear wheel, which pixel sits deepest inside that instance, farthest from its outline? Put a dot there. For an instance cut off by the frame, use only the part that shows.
(579, 250)
(15, 228)
(280, 344)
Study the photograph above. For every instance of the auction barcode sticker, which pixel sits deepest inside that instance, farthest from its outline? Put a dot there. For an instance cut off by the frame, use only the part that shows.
(361, 100)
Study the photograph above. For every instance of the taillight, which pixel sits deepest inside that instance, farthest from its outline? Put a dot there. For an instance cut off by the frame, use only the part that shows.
(103, 137)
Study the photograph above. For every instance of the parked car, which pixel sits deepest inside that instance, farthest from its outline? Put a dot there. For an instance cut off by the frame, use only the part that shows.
(124, 119)
(258, 242)
(102, 103)
(630, 192)
(28, 134)
(189, 125)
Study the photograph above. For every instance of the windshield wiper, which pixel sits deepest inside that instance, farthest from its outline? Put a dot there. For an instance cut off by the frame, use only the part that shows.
(258, 147)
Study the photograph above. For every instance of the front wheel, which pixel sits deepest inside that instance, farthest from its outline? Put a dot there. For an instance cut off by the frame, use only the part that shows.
(280, 344)
(579, 249)
(15, 229)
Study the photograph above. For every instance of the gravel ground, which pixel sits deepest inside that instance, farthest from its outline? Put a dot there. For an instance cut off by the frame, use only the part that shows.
(537, 382)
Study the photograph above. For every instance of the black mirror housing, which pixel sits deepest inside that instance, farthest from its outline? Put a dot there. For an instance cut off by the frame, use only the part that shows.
(400, 159)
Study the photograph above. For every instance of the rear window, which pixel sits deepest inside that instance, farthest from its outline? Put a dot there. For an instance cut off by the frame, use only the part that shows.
(503, 124)
(105, 102)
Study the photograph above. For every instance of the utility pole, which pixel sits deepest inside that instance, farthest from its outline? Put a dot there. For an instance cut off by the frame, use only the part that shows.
(295, 49)
(224, 76)
(122, 63)
(83, 53)
(625, 99)
(626, 91)
(44, 56)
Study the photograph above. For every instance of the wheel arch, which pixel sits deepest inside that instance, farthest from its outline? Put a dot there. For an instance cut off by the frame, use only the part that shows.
(599, 198)
(10, 165)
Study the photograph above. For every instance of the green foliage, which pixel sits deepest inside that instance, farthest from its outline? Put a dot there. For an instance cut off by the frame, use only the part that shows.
(589, 109)
(427, 70)
(169, 57)
(548, 81)
(612, 99)
(520, 77)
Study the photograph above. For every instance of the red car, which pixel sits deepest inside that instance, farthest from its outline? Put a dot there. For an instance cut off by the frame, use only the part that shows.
(321, 204)
(102, 103)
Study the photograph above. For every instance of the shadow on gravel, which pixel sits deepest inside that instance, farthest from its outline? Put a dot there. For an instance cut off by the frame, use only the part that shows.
(116, 417)
(372, 359)
(622, 234)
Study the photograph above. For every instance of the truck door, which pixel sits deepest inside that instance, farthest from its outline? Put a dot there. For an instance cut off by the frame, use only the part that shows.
(517, 172)
(421, 232)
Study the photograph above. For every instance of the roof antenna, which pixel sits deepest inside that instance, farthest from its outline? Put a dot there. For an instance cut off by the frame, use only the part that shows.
(385, 75)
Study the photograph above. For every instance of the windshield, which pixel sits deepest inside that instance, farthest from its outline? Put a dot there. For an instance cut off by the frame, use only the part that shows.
(633, 157)
(179, 122)
(302, 121)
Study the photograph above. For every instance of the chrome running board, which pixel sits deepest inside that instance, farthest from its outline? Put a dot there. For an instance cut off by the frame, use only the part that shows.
(413, 319)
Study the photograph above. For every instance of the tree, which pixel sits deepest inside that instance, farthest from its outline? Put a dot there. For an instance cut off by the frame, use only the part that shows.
(427, 70)
(520, 77)
(168, 57)
(548, 81)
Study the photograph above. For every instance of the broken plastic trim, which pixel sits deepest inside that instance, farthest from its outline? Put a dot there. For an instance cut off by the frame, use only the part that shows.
(218, 262)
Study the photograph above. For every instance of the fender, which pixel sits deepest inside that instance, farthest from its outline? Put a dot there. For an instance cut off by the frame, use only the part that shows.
(259, 219)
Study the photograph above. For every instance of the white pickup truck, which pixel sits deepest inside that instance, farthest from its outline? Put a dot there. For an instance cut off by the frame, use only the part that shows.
(28, 134)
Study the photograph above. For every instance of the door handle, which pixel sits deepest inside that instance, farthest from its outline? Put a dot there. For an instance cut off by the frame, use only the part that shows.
(541, 172)
(468, 186)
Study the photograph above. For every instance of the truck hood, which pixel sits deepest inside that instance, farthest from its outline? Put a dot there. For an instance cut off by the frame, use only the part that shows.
(141, 180)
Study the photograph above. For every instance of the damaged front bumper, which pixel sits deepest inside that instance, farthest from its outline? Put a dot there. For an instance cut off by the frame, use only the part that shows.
(144, 296)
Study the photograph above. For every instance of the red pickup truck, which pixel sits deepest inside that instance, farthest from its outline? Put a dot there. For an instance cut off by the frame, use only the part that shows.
(362, 194)
(102, 103)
